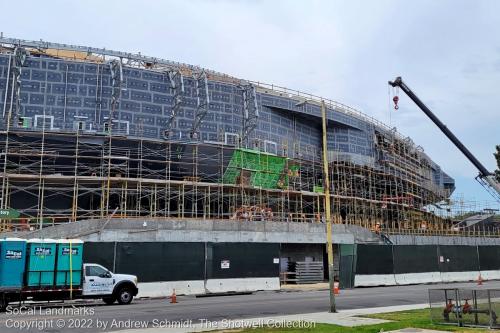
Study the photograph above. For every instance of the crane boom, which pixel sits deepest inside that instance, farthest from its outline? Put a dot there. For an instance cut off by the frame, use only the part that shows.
(485, 178)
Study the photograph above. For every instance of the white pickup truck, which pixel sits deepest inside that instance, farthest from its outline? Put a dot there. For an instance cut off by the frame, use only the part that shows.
(101, 283)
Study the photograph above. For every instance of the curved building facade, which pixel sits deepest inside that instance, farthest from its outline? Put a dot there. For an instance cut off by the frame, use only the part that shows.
(91, 133)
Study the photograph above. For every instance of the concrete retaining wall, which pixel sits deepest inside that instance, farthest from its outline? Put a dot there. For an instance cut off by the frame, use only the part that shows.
(152, 230)
(421, 278)
(165, 289)
(416, 278)
(242, 284)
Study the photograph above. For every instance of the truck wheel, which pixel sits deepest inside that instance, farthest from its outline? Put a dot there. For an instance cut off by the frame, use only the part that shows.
(108, 300)
(124, 296)
(3, 303)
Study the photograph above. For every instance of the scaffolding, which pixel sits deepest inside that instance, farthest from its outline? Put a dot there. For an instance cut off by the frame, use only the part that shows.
(61, 177)
(54, 177)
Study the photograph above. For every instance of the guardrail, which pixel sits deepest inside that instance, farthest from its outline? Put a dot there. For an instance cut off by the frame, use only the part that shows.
(333, 105)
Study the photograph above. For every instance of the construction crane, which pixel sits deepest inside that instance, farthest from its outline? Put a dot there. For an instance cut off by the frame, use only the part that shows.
(485, 178)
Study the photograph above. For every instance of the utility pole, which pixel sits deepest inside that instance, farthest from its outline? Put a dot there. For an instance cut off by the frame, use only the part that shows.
(326, 194)
(328, 217)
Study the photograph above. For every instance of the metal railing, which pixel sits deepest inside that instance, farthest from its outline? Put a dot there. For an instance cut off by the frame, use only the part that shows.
(485, 233)
(465, 307)
(331, 104)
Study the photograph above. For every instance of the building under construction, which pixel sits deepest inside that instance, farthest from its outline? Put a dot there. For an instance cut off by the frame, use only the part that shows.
(91, 133)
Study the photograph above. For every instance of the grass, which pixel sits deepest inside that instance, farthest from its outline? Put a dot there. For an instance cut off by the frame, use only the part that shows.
(402, 319)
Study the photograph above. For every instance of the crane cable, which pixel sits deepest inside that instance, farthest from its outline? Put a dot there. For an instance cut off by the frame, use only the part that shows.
(389, 104)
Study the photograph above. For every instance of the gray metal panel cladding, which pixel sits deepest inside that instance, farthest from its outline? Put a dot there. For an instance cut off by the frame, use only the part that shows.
(69, 90)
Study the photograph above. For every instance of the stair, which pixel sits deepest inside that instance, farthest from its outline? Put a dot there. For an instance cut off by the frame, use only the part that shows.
(473, 220)
(386, 239)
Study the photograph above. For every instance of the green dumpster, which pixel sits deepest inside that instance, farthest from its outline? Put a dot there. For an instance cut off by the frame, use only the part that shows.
(69, 262)
(41, 262)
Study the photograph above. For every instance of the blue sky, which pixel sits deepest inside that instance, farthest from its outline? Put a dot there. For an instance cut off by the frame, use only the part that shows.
(447, 51)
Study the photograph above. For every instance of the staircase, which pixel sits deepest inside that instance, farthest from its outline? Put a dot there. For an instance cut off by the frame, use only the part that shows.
(474, 220)
(386, 239)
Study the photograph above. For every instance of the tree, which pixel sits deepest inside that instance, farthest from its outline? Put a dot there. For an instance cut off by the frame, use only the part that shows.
(497, 156)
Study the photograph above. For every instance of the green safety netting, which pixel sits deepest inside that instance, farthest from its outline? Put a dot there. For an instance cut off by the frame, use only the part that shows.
(265, 170)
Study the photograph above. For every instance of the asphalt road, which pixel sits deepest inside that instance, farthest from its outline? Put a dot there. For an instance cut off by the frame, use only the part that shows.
(91, 316)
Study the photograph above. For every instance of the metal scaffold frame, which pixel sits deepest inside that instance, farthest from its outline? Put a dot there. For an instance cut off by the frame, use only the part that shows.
(63, 178)
(147, 179)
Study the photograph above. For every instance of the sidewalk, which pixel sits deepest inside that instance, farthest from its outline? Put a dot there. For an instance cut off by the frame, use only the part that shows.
(349, 318)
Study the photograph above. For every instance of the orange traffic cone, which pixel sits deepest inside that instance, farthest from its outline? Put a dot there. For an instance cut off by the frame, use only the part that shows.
(336, 289)
(173, 298)
(479, 280)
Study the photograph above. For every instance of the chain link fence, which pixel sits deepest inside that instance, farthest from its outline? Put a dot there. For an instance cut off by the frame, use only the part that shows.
(465, 307)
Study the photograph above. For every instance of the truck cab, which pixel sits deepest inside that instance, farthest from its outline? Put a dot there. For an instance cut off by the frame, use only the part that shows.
(99, 282)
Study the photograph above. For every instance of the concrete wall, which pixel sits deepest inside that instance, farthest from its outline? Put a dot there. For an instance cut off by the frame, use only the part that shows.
(371, 280)
(442, 240)
(200, 287)
(145, 230)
